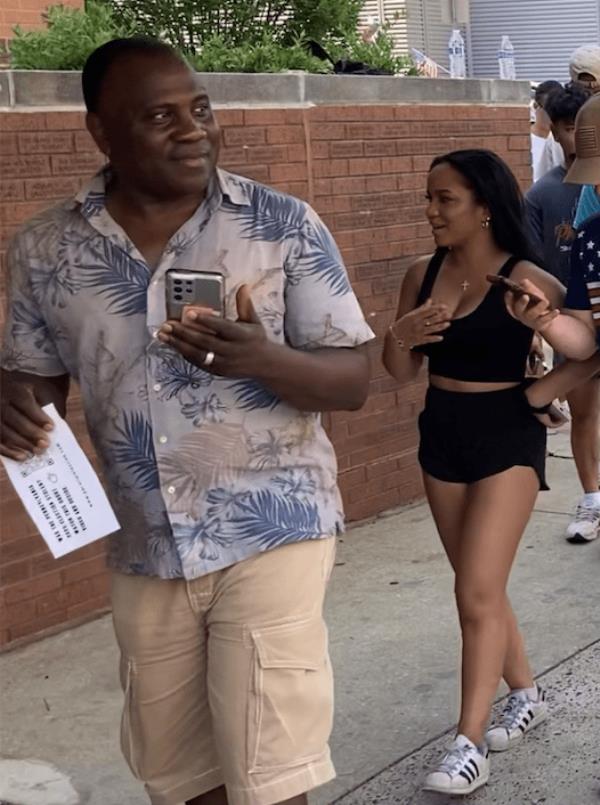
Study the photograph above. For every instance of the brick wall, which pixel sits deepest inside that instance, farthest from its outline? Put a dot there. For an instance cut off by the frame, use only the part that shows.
(27, 13)
(363, 168)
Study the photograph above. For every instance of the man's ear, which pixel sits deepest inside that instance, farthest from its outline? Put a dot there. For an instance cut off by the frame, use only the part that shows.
(95, 128)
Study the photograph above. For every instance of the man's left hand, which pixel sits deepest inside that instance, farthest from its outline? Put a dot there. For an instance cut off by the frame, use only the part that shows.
(218, 345)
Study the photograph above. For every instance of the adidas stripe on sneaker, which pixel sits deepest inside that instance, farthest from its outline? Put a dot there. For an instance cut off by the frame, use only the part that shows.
(520, 714)
(463, 769)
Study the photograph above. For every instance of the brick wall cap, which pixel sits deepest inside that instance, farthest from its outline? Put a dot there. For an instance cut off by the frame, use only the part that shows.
(35, 88)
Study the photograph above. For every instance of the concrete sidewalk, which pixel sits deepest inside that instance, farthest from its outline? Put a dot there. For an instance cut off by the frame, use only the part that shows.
(395, 646)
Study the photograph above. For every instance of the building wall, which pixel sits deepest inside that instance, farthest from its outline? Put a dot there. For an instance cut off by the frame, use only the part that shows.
(544, 33)
(392, 13)
(26, 13)
(363, 168)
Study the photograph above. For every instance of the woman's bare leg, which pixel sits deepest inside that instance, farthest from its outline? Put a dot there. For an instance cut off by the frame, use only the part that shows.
(448, 503)
(498, 509)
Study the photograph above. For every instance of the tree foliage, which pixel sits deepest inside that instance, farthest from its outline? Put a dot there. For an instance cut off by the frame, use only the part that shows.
(187, 24)
(71, 35)
(254, 36)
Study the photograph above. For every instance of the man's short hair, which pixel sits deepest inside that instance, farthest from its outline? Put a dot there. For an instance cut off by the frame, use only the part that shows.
(543, 90)
(101, 60)
(564, 103)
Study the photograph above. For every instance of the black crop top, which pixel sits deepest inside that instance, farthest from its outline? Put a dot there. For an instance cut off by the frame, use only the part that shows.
(487, 345)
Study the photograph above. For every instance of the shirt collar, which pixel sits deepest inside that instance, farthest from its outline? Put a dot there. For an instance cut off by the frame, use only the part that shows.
(235, 189)
(227, 185)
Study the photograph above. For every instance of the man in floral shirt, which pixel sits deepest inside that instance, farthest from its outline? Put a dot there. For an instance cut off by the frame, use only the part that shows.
(222, 477)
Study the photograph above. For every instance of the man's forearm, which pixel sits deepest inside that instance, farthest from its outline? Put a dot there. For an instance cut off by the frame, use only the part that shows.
(329, 379)
(562, 380)
(570, 336)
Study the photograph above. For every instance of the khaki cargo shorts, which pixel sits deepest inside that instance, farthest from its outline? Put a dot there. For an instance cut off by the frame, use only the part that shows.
(227, 678)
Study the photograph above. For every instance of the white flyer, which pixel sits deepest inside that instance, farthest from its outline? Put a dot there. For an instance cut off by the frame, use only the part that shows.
(62, 493)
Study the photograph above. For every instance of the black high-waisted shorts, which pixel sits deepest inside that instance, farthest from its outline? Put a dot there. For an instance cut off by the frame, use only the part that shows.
(468, 436)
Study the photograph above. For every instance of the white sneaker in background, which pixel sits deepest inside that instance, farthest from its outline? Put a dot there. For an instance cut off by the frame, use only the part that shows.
(586, 524)
(463, 769)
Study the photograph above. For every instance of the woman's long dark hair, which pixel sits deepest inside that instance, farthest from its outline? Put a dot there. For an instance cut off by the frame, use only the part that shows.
(493, 184)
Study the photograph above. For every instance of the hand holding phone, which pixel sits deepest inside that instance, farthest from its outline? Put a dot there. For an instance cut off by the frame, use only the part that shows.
(188, 288)
(226, 347)
(513, 288)
(526, 303)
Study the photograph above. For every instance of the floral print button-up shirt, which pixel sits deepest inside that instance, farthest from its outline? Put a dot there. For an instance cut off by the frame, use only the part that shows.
(203, 471)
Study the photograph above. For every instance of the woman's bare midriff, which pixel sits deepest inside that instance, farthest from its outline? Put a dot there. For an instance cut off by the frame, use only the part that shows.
(449, 384)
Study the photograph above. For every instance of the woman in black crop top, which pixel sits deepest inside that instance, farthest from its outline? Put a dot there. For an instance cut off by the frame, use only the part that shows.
(481, 450)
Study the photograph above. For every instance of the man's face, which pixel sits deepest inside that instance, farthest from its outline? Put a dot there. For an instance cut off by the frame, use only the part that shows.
(155, 124)
(564, 134)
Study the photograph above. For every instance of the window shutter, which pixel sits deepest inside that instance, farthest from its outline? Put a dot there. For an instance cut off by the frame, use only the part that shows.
(544, 33)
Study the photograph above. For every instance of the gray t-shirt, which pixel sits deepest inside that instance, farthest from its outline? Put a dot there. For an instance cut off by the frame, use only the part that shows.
(550, 205)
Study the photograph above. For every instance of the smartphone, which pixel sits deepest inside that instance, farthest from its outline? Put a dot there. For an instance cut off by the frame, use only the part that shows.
(188, 287)
(513, 287)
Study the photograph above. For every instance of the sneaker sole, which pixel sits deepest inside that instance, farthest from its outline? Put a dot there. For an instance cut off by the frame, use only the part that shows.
(580, 539)
(518, 738)
(482, 780)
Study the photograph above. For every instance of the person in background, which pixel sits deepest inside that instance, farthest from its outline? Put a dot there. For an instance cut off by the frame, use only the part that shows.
(576, 331)
(584, 67)
(208, 429)
(551, 206)
(481, 451)
(546, 153)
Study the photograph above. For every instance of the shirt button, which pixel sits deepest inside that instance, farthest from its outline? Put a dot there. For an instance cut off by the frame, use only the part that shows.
(157, 387)
(163, 439)
(154, 333)
(171, 490)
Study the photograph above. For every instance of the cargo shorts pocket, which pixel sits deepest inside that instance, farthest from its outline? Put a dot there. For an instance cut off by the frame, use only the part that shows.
(130, 736)
(291, 695)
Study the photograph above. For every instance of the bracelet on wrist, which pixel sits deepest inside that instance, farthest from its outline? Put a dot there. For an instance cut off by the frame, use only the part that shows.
(400, 341)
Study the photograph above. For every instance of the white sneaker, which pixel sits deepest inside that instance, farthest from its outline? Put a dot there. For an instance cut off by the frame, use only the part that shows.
(520, 714)
(586, 524)
(463, 769)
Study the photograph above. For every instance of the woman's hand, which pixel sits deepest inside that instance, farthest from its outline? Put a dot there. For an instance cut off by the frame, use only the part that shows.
(536, 316)
(423, 325)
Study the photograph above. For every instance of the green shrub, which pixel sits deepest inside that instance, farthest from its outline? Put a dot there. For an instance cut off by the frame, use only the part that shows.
(188, 24)
(377, 54)
(265, 56)
(216, 35)
(69, 39)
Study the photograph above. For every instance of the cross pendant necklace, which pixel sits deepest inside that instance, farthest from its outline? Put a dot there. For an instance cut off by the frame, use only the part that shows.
(464, 285)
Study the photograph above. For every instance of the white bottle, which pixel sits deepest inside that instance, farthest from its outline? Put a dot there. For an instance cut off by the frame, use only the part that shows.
(456, 55)
(506, 60)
